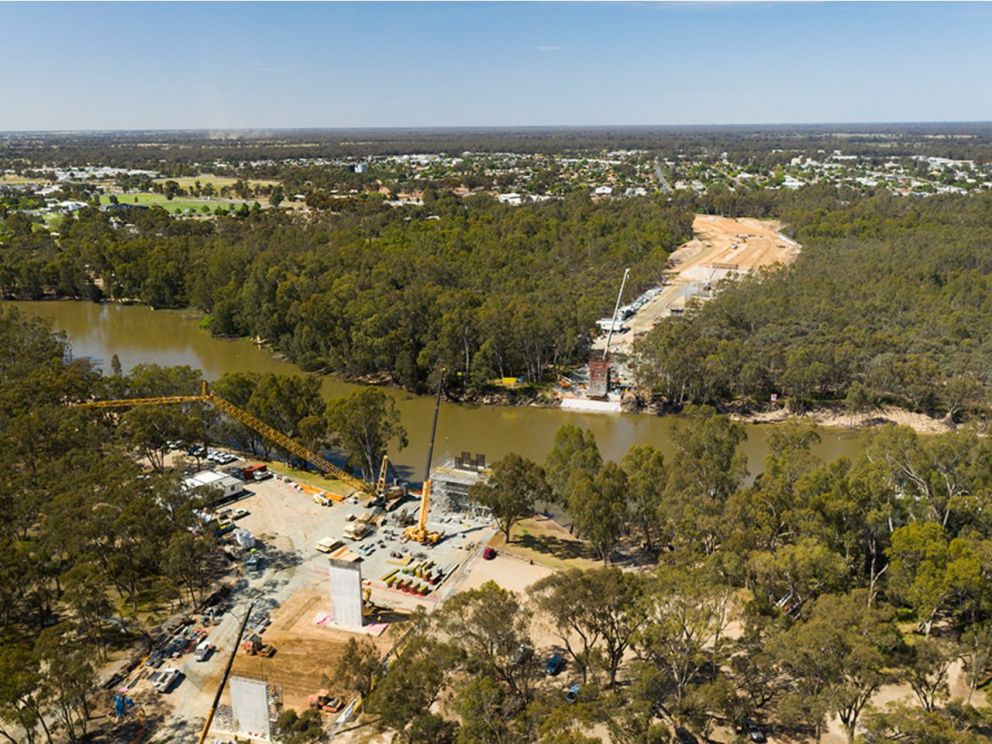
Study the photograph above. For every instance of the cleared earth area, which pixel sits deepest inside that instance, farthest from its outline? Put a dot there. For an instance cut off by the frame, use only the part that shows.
(722, 248)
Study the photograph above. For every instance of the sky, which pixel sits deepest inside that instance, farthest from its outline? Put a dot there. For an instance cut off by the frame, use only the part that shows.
(283, 65)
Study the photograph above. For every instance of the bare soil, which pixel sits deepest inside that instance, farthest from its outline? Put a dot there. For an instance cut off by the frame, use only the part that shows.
(746, 243)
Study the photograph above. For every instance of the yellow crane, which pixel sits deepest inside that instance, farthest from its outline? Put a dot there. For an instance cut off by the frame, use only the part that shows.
(419, 532)
(243, 417)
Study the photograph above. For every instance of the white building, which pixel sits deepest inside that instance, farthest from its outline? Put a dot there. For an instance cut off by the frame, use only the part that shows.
(225, 486)
(513, 199)
(361, 167)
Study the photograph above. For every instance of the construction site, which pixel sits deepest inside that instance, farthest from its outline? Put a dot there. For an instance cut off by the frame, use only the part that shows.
(722, 249)
(317, 560)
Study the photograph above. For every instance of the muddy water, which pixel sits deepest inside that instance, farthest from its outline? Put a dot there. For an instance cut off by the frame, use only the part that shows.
(139, 334)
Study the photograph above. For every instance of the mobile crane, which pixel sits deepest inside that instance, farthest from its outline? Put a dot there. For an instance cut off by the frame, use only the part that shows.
(419, 532)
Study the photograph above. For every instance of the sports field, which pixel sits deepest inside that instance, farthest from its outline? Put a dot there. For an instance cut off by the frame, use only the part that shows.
(179, 205)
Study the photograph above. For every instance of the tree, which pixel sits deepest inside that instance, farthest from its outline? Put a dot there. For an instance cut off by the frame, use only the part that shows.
(186, 560)
(976, 646)
(511, 491)
(598, 508)
(573, 450)
(414, 682)
(646, 478)
(150, 428)
(927, 665)
(705, 471)
(899, 722)
(365, 423)
(836, 659)
(926, 570)
(299, 728)
(358, 666)
(68, 680)
(600, 607)
(21, 694)
(683, 634)
(487, 626)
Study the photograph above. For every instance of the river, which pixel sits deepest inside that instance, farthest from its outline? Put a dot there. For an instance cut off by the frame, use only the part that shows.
(139, 334)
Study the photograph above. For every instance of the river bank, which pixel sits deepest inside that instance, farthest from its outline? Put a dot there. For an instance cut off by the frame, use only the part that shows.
(837, 418)
(140, 335)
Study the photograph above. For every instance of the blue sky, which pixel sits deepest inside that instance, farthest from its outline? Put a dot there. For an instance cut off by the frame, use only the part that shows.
(259, 65)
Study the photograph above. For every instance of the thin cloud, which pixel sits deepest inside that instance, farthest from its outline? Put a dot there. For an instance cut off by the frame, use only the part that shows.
(548, 48)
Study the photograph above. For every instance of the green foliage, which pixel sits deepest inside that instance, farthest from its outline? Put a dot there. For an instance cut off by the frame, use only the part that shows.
(364, 423)
(574, 450)
(87, 536)
(486, 289)
(885, 304)
(511, 491)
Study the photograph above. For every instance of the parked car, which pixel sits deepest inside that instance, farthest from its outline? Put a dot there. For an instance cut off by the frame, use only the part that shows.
(555, 664)
(488, 554)
(572, 693)
(165, 679)
(203, 650)
(239, 513)
(754, 731)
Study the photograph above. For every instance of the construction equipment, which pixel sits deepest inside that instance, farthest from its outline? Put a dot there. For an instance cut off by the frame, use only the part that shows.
(616, 309)
(419, 532)
(254, 646)
(243, 417)
(324, 702)
(385, 491)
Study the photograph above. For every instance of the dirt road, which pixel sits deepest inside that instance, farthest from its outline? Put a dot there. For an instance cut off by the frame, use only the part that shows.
(722, 248)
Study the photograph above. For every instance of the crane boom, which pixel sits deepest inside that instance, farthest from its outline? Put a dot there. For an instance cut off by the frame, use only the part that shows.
(616, 309)
(420, 533)
(252, 422)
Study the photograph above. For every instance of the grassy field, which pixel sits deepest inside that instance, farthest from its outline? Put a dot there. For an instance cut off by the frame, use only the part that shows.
(217, 181)
(177, 205)
(547, 544)
(311, 478)
(13, 178)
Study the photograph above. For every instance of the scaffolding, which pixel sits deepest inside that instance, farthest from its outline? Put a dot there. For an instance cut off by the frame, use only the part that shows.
(451, 481)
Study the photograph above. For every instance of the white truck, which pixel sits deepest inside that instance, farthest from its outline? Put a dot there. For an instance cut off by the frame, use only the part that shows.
(164, 679)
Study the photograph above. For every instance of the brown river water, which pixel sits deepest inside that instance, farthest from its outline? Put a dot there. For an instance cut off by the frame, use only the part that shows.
(142, 335)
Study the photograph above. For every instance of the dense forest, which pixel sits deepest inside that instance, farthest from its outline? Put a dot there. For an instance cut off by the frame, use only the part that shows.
(484, 289)
(889, 302)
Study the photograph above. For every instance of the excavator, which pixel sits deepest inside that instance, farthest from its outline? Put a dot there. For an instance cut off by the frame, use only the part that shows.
(252, 422)
(419, 532)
